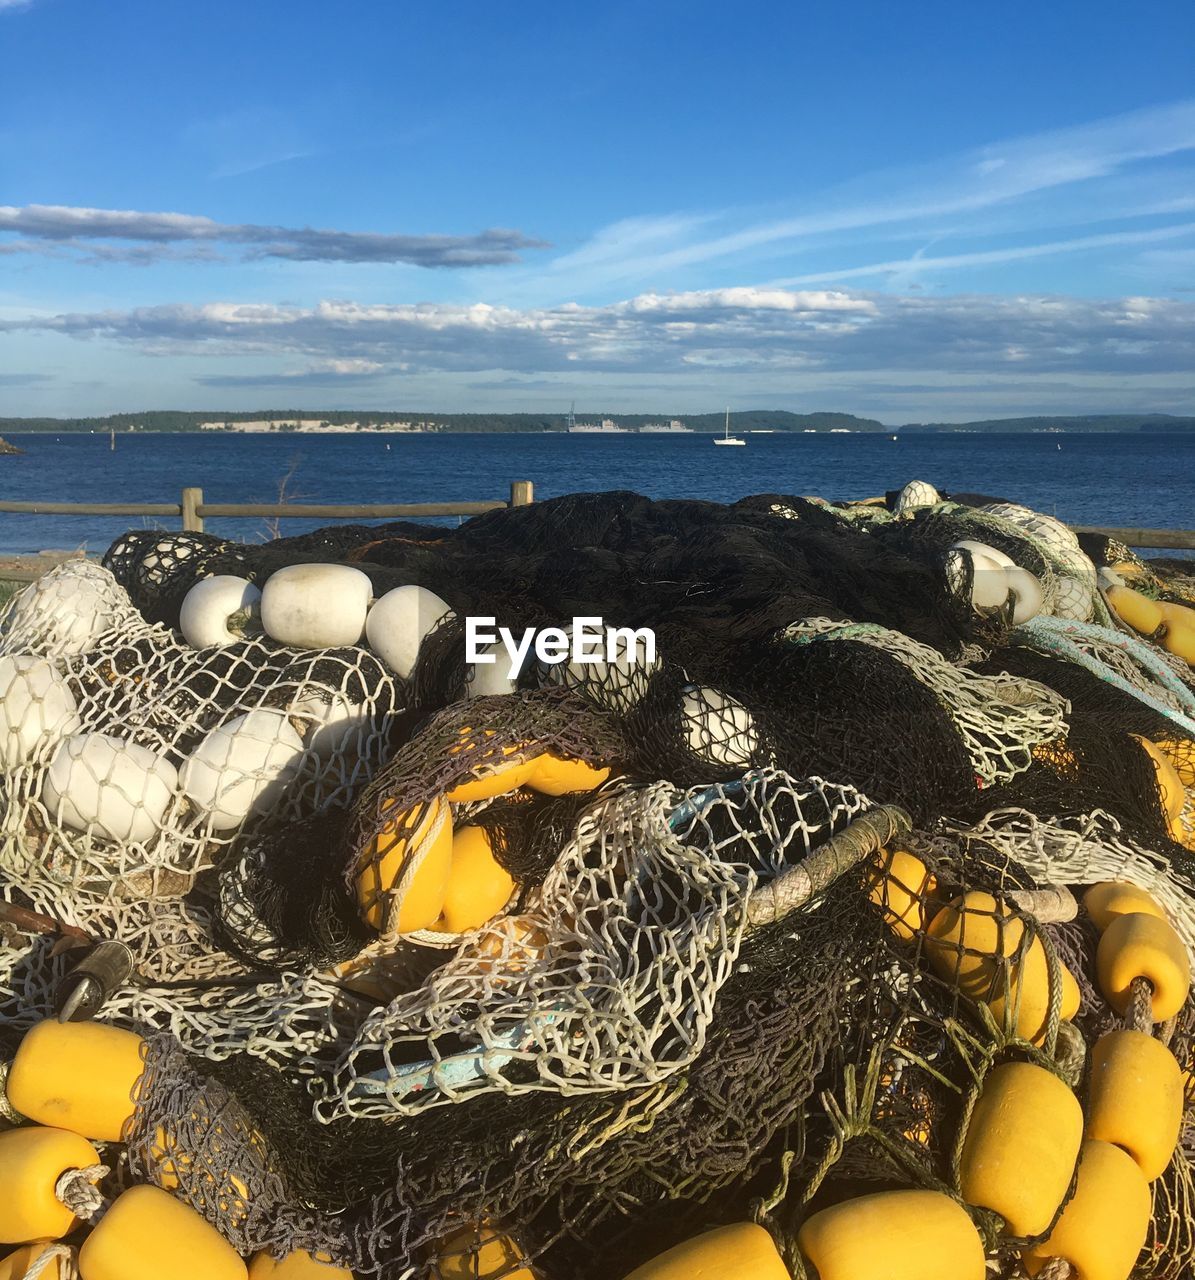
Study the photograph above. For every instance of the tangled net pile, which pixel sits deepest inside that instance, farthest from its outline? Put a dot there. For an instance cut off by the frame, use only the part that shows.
(719, 985)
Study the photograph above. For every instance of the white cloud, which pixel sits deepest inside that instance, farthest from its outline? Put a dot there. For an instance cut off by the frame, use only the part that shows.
(773, 332)
(155, 234)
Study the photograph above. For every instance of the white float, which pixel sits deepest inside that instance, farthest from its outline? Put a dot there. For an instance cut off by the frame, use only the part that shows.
(109, 787)
(718, 728)
(982, 548)
(617, 685)
(487, 679)
(335, 723)
(989, 584)
(398, 623)
(37, 708)
(316, 606)
(68, 609)
(1026, 594)
(215, 610)
(242, 767)
(917, 494)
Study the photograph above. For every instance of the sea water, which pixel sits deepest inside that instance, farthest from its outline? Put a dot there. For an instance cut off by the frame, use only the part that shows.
(1127, 480)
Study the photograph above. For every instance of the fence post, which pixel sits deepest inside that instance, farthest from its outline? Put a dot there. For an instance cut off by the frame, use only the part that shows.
(192, 501)
(522, 493)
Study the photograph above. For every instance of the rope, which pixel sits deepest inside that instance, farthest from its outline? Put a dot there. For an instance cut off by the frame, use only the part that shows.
(61, 1254)
(816, 873)
(1054, 636)
(8, 1112)
(78, 1190)
(1141, 1011)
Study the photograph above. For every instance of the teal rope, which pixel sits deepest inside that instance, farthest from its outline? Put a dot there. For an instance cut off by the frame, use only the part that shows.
(1054, 636)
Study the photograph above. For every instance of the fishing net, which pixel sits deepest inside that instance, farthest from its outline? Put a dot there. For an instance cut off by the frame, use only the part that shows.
(718, 982)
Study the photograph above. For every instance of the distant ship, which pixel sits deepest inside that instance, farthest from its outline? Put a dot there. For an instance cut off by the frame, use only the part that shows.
(728, 438)
(607, 427)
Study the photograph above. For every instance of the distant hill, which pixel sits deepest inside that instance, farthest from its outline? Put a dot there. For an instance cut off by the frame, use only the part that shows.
(1124, 422)
(185, 420)
(779, 420)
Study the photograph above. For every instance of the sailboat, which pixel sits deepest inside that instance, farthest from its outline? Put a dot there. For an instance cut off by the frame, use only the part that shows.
(728, 438)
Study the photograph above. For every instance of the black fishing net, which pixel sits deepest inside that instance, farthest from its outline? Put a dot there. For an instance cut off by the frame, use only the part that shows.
(717, 977)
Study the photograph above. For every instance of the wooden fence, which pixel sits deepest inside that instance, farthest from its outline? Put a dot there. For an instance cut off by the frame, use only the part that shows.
(193, 510)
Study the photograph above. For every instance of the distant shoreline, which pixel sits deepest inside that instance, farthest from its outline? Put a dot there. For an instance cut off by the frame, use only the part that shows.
(749, 421)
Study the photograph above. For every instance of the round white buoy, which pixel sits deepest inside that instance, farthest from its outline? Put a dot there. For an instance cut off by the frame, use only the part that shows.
(1026, 593)
(489, 679)
(242, 767)
(316, 606)
(399, 622)
(68, 609)
(718, 727)
(109, 787)
(210, 606)
(916, 494)
(37, 708)
(335, 723)
(617, 682)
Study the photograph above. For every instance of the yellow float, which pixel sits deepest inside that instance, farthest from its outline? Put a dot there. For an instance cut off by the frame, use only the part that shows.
(1142, 946)
(1140, 612)
(900, 891)
(478, 886)
(480, 1251)
(892, 1235)
(972, 941)
(742, 1251)
(297, 1265)
(1103, 1226)
(78, 1076)
(147, 1234)
(1136, 1098)
(1022, 1142)
(1104, 902)
(1170, 786)
(32, 1160)
(424, 832)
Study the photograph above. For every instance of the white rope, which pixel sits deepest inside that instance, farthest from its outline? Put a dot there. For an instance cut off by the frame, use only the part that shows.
(78, 1189)
(62, 1254)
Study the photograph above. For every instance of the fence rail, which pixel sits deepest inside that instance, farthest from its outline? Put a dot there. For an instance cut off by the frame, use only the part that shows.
(192, 510)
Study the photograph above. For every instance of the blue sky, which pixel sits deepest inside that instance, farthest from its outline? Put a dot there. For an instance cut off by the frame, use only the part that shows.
(917, 212)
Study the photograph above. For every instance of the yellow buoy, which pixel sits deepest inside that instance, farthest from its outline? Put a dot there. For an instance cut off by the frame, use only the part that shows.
(17, 1265)
(739, 1252)
(414, 831)
(498, 778)
(78, 1076)
(1104, 1224)
(892, 1235)
(1170, 786)
(1104, 902)
(1136, 1098)
(32, 1159)
(297, 1265)
(147, 1234)
(900, 890)
(971, 943)
(553, 776)
(480, 1251)
(1179, 637)
(1022, 1142)
(1142, 946)
(1181, 754)
(478, 885)
(1138, 611)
